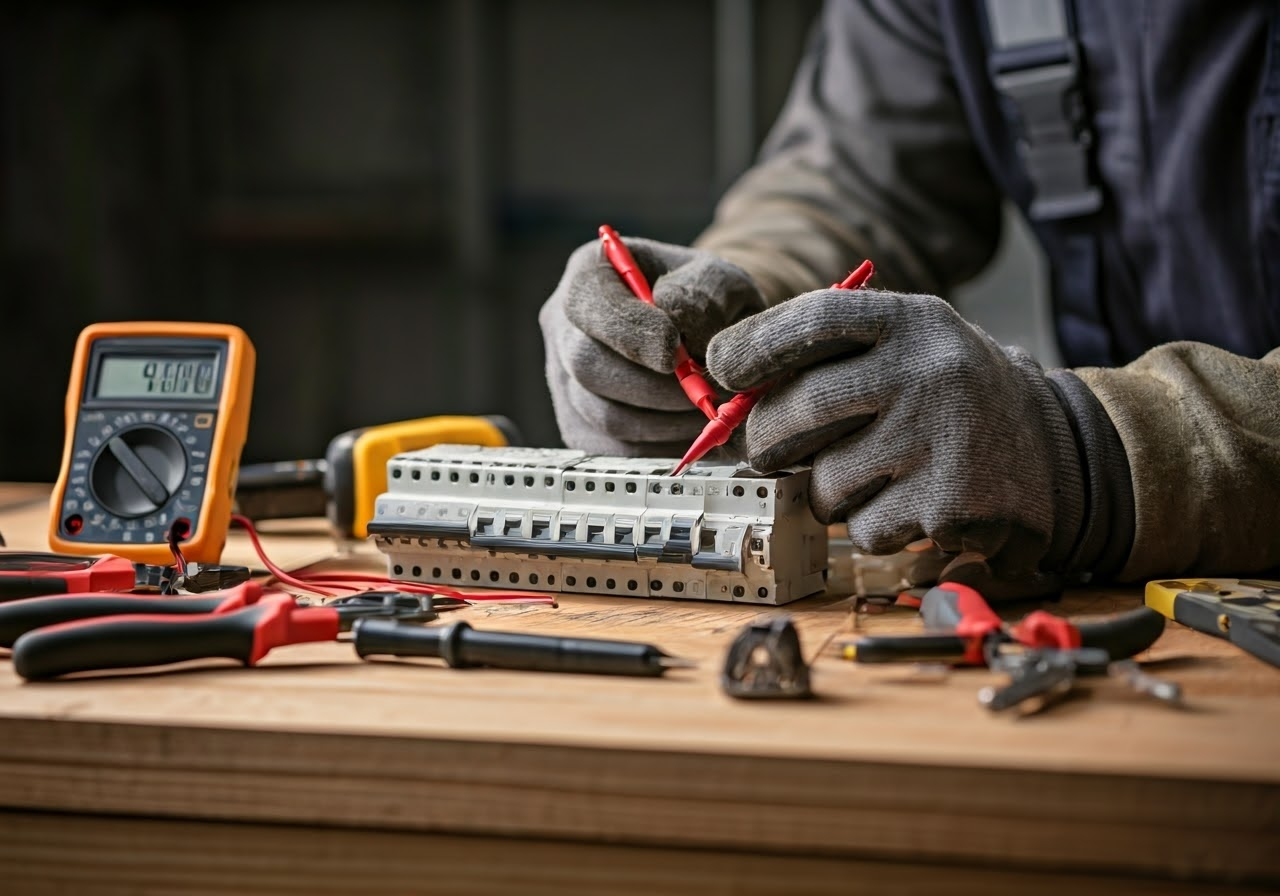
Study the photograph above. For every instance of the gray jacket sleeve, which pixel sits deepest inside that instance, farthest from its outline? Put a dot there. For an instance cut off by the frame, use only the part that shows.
(1201, 428)
(871, 157)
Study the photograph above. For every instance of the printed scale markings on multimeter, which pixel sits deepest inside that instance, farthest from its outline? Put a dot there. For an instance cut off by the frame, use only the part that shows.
(157, 414)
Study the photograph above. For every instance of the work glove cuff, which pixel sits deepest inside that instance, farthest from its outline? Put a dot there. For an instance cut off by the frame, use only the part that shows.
(1106, 530)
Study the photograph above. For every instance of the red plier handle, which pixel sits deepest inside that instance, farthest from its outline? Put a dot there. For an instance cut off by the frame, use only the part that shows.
(28, 574)
(163, 632)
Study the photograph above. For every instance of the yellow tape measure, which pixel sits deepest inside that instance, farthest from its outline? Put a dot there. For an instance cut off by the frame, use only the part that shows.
(157, 415)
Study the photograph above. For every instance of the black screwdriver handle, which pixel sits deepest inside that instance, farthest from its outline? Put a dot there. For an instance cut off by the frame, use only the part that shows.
(21, 616)
(129, 642)
(459, 645)
(1123, 635)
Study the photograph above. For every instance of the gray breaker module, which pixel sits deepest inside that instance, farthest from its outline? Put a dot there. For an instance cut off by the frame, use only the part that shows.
(563, 520)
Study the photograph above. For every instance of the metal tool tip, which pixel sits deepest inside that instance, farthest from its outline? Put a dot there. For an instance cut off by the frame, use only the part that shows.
(675, 662)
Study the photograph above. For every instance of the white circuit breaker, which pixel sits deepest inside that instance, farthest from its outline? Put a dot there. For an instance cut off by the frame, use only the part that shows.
(563, 520)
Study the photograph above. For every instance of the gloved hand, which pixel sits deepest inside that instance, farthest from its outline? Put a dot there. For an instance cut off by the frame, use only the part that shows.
(919, 426)
(610, 356)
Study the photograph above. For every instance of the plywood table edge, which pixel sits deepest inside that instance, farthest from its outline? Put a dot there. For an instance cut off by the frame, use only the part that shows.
(50, 853)
(649, 797)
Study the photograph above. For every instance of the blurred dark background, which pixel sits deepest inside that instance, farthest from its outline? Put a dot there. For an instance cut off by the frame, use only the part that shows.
(381, 193)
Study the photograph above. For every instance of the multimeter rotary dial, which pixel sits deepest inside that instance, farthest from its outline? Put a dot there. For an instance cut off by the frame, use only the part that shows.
(137, 470)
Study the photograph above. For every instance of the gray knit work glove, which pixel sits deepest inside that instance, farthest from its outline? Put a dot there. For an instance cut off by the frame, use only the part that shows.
(610, 361)
(919, 426)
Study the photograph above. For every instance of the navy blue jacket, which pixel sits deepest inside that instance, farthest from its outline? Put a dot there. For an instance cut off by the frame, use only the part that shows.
(894, 144)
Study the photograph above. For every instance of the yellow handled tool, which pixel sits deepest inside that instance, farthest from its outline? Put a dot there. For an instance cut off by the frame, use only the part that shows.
(346, 483)
(1245, 612)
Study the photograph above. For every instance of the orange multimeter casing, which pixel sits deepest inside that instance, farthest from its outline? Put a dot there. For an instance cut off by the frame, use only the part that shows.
(157, 415)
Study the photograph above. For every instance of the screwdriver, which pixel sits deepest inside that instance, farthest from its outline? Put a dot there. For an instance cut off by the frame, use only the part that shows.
(687, 370)
(461, 646)
(729, 416)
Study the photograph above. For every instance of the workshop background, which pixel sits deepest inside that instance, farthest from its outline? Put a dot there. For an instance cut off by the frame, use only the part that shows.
(381, 194)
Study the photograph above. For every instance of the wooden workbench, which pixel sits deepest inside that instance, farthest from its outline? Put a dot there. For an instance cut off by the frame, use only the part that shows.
(318, 773)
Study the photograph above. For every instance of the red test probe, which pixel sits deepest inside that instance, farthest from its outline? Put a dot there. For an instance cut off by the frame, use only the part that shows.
(687, 370)
(730, 415)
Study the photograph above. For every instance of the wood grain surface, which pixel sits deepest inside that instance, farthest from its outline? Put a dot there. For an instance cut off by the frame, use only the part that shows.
(121, 855)
(881, 768)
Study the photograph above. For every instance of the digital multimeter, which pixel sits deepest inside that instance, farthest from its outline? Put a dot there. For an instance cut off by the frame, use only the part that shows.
(157, 415)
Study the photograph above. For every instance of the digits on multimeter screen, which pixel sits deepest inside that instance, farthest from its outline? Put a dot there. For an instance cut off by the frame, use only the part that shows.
(143, 377)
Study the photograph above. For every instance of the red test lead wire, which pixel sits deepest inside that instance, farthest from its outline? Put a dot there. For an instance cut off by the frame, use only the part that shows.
(731, 414)
(687, 369)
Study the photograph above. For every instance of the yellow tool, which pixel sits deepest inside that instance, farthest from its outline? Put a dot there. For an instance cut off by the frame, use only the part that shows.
(157, 415)
(346, 483)
(1245, 612)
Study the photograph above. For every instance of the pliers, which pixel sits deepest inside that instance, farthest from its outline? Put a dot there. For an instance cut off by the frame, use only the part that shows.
(56, 636)
(960, 624)
(1042, 654)
(30, 574)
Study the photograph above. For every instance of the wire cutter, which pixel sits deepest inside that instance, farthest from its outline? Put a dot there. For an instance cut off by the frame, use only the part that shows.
(31, 574)
(1042, 654)
(56, 636)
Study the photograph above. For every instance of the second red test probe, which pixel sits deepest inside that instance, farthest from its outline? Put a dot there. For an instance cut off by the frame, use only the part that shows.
(729, 416)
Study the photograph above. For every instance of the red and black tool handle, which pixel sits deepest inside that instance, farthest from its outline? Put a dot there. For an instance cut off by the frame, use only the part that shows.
(21, 616)
(143, 640)
(30, 574)
(1121, 636)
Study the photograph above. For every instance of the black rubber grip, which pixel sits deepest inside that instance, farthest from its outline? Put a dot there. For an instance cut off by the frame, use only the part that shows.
(910, 649)
(460, 645)
(1124, 635)
(20, 617)
(129, 643)
(18, 587)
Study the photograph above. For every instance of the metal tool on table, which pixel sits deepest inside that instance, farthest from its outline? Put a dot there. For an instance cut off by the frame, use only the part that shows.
(1245, 612)
(1043, 654)
(345, 483)
(34, 573)
(765, 662)
(461, 646)
(959, 623)
(57, 636)
(1040, 677)
(156, 415)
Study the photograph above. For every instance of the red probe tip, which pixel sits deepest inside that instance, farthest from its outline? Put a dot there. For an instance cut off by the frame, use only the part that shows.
(858, 276)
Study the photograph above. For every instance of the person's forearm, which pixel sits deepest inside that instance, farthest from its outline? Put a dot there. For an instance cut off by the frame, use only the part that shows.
(1201, 429)
(871, 157)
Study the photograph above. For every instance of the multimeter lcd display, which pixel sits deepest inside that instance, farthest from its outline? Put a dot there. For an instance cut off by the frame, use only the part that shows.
(167, 377)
